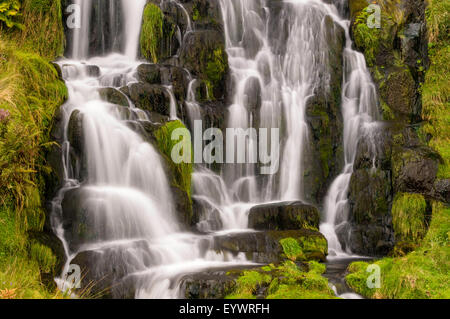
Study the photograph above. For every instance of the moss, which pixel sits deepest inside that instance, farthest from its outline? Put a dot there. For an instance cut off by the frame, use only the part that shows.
(292, 249)
(182, 171)
(215, 69)
(304, 247)
(421, 274)
(409, 216)
(285, 281)
(435, 90)
(152, 32)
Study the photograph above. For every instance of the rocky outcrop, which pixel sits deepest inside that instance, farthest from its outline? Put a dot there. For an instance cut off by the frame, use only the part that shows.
(265, 247)
(284, 216)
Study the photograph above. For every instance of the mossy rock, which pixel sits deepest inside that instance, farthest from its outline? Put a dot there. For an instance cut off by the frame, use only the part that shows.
(203, 53)
(180, 174)
(266, 246)
(158, 36)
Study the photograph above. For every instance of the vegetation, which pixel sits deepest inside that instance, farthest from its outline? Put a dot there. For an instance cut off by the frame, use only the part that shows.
(286, 281)
(9, 12)
(30, 93)
(152, 32)
(436, 89)
(409, 216)
(422, 274)
(183, 171)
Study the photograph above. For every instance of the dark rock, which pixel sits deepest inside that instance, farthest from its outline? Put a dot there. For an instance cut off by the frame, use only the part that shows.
(284, 216)
(370, 230)
(441, 190)
(414, 169)
(113, 96)
(104, 271)
(203, 53)
(149, 73)
(265, 247)
(149, 97)
(92, 70)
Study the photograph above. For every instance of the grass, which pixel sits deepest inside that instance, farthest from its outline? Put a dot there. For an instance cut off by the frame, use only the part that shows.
(409, 216)
(30, 93)
(436, 89)
(421, 274)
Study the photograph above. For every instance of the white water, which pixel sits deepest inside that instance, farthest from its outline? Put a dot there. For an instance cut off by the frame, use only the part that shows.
(127, 189)
(124, 199)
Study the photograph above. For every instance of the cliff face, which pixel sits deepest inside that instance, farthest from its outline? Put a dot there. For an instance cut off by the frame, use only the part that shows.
(397, 55)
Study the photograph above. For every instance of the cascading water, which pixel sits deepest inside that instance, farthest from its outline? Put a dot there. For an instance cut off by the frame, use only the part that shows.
(115, 208)
(114, 213)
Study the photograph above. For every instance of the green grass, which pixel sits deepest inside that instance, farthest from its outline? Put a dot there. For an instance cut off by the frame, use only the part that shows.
(30, 93)
(436, 89)
(422, 274)
(409, 216)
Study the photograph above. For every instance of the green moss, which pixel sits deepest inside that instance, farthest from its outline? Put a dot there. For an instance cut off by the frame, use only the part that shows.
(215, 70)
(435, 90)
(285, 281)
(421, 274)
(292, 249)
(408, 216)
(183, 171)
(9, 12)
(304, 247)
(152, 32)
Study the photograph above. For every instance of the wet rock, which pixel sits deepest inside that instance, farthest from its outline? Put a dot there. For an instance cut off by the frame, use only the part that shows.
(149, 97)
(103, 271)
(414, 169)
(203, 53)
(441, 190)
(113, 96)
(265, 247)
(284, 216)
(149, 73)
(92, 70)
(210, 284)
(370, 230)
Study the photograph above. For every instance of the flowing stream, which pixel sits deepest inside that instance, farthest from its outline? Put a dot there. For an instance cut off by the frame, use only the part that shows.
(123, 204)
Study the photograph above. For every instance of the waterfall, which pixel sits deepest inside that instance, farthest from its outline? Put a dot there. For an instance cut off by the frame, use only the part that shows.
(284, 58)
(115, 213)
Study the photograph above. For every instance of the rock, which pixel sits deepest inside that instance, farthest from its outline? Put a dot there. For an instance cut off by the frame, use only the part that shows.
(104, 271)
(149, 97)
(149, 73)
(203, 53)
(210, 284)
(284, 216)
(265, 247)
(92, 70)
(113, 96)
(441, 190)
(369, 230)
(414, 169)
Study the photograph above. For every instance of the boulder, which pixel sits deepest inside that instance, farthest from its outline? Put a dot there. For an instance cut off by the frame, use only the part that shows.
(265, 247)
(284, 216)
(149, 97)
(113, 96)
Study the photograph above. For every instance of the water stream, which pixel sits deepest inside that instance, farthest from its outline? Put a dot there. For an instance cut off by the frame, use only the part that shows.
(120, 186)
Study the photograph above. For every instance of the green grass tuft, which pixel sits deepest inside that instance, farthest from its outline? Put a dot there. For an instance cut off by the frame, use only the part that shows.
(409, 216)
